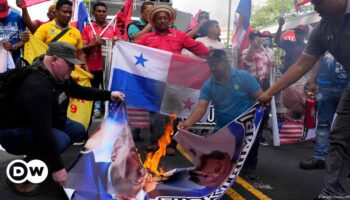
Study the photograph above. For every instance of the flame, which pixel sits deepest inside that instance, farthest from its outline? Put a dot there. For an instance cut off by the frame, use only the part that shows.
(152, 159)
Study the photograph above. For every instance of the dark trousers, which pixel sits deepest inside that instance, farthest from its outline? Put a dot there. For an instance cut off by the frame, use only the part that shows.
(96, 82)
(20, 141)
(338, 158)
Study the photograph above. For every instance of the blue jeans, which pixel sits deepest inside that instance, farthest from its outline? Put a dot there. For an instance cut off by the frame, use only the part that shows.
(19, 141)
(327, 102)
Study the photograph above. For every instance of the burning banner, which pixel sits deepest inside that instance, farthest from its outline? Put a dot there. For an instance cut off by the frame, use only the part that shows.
(109, 167)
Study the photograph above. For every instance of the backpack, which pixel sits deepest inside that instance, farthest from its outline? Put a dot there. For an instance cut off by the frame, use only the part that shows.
(138, 25)
(10, 82)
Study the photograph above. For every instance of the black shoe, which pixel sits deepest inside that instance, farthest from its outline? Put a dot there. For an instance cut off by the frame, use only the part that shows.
(313, 163)
(250, 174)
(24, 189)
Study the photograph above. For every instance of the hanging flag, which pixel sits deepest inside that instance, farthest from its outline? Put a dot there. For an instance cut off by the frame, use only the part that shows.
(194, 21)
(242, 21)
(80, 15)
(34, 48)
(27, 3)
(299, 3)
(157, 80)
(123, 19)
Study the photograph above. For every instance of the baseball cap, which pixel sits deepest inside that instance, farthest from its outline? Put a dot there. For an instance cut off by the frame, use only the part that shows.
(65, 51)
(254, 34)
(266, 34)
(4, 8)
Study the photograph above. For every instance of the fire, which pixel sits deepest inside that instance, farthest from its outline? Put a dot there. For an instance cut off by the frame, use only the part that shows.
(152, 159)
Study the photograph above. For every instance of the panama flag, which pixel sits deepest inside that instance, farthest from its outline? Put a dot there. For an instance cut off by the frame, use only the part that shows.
(157, 80)
(242, 22)
(80, 15)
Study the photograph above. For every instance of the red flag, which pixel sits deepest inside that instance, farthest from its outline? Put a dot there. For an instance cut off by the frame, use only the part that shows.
(28, 3)
(194, 22)
(123, 19)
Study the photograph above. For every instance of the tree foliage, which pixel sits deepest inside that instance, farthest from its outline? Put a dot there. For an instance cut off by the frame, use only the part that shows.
(268, 14)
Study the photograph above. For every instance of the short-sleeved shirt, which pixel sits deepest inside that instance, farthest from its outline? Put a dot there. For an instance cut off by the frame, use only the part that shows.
(173, 41)
(47, 32)
(11, 28)
(230, 99)
(332, 74)
(212, 44)
(94, 57)
(328, 36)
(293, 51)
(133, 29)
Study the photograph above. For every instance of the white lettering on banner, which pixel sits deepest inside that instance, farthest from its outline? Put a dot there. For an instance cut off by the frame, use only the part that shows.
(18, 171)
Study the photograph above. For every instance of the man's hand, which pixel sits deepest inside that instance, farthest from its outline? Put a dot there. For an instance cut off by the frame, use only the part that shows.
(99, 41)
(7, 45)
(265, 98)
(281, 21)
(20, 3)
(184, 125)
(25, 36)
(311, 86)
(115, 96)
(60, 177)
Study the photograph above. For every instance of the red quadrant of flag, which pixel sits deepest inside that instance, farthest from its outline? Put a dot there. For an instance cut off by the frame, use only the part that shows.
(188, 72)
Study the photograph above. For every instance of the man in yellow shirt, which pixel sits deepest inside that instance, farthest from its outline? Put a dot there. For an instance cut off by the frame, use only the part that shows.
(47, 32)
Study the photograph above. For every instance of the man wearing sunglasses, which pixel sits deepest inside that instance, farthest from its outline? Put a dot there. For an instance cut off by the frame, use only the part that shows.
(331, 34)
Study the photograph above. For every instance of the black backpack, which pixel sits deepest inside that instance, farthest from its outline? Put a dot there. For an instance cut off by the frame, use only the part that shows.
(10, 82)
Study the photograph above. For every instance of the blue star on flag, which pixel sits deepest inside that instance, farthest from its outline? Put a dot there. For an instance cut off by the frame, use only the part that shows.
(140, 60)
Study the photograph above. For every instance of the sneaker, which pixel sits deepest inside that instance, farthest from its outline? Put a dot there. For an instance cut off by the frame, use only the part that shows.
(24, 189)
(313, 163)
(97, 114)
(79, 142)
(263, 142)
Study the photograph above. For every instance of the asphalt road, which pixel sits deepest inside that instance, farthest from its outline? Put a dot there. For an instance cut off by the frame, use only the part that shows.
(280, 176)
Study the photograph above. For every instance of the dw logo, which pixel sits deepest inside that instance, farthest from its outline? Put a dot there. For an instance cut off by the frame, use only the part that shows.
(18, 171)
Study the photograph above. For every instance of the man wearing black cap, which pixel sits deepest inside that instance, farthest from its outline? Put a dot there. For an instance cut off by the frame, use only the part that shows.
(228, 91)
(331, 34)
(34, 122)
(293, 49)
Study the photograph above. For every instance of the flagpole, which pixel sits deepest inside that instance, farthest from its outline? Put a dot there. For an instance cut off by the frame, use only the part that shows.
(92, 27)
(108, 25)
(229, 23)
(282, 8)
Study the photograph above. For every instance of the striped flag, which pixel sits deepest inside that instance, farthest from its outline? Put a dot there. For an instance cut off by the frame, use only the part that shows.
(157, 80)
(80, 15)
(242, 22)
(28, 3)
(123, 19)
(292, 133)
(138, 118)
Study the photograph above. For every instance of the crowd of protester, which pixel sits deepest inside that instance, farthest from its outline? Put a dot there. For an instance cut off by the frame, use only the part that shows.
(156, 29)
